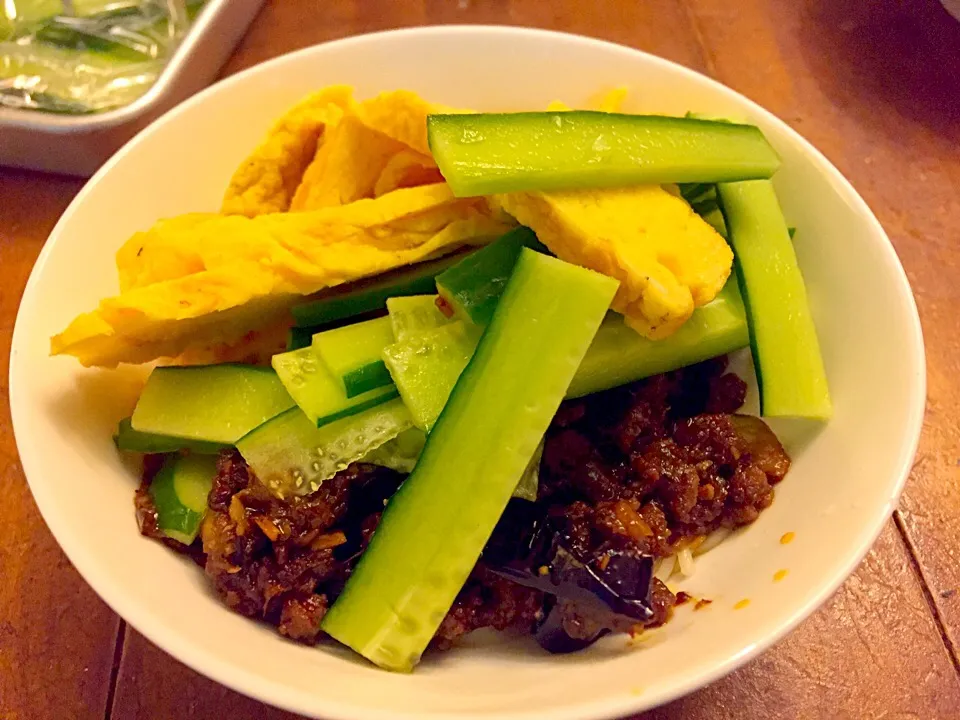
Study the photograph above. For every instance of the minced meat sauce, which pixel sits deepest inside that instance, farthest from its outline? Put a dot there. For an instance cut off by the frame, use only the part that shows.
(648, 468)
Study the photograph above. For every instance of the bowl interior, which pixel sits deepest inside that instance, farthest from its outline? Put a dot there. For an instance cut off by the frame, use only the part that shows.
(845, 479)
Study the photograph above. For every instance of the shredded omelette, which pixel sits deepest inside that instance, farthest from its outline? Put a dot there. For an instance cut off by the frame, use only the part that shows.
(341, 189)
(267, 180)
(332, 150)
(667, 258)
(203, 279)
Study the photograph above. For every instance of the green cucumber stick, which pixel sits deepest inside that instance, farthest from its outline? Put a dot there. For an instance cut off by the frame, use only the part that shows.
(783, 338)
(473, 286)
(435, 526)
(485, 153)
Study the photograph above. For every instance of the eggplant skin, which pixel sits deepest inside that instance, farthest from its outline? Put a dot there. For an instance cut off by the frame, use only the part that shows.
(591, 597)
(555, 637)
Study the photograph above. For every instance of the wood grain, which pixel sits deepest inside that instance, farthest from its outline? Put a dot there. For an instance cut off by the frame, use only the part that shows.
(841, 660)
(853, 659)
(876, 85)
(153, 686)
(282, 28)
(56, 636)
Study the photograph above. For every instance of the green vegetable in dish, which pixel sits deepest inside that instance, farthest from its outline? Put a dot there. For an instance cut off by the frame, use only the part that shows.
(292, 456)
(480, 154)
(50, 78)
(401, 453)
(529, 484)
(435, 526)
(18, 15)
(414, 315)
(318, 393)
(618, 355)
(179, 492)
(131, 440)
(73, 34)
(352, 354)
(213, 403)
(86, 56)
(473, 286)
(301, 337)
(425, 367)
(786, 352)
(372, 294)
(115, 8)
(703, 199)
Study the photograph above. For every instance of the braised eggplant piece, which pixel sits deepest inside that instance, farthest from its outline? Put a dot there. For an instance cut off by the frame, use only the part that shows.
(553, 632)
(594, 596)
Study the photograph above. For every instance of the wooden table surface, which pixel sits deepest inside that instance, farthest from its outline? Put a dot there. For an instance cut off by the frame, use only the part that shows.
(875, 84)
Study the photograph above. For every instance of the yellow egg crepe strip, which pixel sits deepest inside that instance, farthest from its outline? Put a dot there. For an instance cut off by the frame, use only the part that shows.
(377, 146)
(346, 167)
(340, 190)
(235, 274)
(667, 259)
(407, 168)
(402, 115)
(266, 181)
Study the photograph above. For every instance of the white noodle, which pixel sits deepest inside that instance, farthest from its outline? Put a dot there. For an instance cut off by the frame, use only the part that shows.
(712, 540)
(685, 560)
(665, 570)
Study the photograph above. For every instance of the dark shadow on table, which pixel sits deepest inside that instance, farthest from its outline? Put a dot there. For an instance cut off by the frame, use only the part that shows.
(904, 54)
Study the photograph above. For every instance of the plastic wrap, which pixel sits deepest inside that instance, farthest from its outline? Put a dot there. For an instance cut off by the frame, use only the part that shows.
(86, 56)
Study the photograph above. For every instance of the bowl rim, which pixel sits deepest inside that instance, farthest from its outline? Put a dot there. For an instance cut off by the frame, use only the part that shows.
(273, 693)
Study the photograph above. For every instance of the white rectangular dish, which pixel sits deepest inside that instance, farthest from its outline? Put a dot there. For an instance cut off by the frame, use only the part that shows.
(79, 144)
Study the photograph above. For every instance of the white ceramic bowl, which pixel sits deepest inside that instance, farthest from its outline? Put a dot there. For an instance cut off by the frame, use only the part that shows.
(844, 484)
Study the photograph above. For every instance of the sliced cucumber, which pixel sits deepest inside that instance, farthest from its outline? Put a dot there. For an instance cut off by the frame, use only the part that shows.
(786, 353)
(321, 397)
(529, 484)
(435, 526)
(292, 456)
(401, 453)
(414, 315)
(368, 295)
(131, 440)
(301, 337)
(695, 192)
(714, 218)
(425, 368)
(214, 403)
(704, 201)
(353, 354)
(473, 286)
(480, 154)
(619, 355)
(179, 492)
